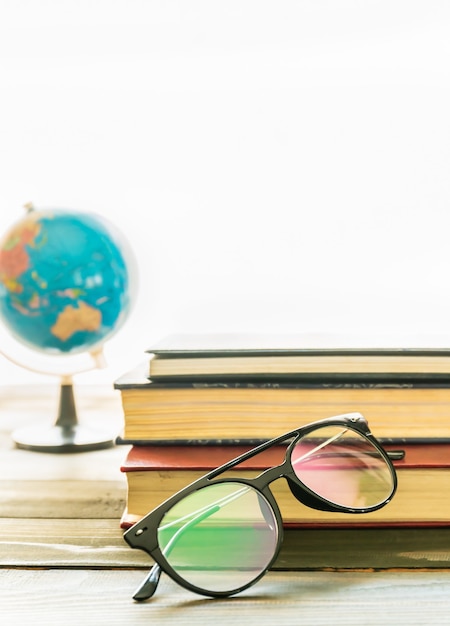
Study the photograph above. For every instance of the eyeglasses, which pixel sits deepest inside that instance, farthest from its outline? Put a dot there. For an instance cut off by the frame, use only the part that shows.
(220, 535)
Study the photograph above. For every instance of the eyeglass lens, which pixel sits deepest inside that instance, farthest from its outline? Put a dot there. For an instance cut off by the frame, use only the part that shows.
(343, 467)
(221, 537)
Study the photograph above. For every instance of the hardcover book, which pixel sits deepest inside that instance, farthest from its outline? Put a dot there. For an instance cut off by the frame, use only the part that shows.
(205, 356)
(155, 473)
(254, 411)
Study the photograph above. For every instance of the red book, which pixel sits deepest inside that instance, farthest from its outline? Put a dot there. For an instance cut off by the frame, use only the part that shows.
(154, 473)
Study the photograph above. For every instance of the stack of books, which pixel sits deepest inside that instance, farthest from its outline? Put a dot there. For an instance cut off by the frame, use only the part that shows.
(199, 401)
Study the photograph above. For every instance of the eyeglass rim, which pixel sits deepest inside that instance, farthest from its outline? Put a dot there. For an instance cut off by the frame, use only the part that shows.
(158, 556)
(313, 498)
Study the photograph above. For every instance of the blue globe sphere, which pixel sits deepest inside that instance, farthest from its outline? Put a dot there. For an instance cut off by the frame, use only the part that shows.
(66, 281)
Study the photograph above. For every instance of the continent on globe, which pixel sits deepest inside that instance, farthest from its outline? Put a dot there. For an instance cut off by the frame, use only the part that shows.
(74, 319)
(65, 280)
(14, 258)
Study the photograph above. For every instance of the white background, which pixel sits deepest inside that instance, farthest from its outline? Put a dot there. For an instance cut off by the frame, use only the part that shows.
(276, 165)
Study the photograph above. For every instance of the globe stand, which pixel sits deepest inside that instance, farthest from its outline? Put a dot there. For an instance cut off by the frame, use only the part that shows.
(67, 282)
(66, 434)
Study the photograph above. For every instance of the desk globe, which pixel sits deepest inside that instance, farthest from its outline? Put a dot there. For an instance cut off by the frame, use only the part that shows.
(66, 286)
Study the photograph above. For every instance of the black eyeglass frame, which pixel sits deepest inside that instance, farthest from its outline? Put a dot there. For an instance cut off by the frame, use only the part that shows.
(144, 534)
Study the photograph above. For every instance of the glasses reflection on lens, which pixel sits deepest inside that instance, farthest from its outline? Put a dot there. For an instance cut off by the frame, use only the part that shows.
(221, 537)
(343, 467)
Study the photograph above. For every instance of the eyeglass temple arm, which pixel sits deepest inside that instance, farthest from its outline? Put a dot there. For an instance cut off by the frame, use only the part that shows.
(272, 442)
(393, 455)
(150, 584)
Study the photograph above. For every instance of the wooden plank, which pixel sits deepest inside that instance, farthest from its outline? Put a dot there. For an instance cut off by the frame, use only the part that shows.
(62, 498)
(98, 465)
(43, 597)
(372, 548)
(66, 543)
(99, 543)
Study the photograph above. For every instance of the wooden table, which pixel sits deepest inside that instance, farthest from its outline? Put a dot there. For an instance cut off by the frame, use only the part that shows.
(63, 559)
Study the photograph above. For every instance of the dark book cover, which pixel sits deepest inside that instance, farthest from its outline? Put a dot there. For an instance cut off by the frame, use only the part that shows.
(221, 344)
(299, 356)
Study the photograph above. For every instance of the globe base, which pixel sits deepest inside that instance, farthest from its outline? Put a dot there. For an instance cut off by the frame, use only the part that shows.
(61, 439)
(66, 434)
